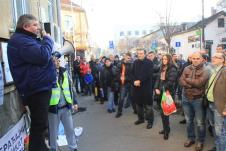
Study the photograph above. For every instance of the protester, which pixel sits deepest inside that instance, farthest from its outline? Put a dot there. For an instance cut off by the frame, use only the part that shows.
(77, 74)
(165, 81)
(107, 79)
(125, 78)
(61, 103)
(215, 117)
(142, 87)
(84, 68)
(193, 81)
(33, 73)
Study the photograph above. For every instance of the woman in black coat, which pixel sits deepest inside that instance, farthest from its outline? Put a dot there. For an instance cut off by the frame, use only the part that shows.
(166, 80)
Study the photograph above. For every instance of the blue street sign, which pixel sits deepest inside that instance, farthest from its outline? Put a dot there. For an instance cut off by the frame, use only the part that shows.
(154, 45)
(178, 44)
(111, 44)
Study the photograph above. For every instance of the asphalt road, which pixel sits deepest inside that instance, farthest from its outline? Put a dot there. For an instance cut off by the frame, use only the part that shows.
(103, 132)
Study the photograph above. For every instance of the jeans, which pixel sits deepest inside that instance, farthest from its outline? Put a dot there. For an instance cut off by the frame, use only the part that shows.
(193, 109)
(217, 120)
(38, 104)
(110, 97)
(88, 89)
(125, 94)
(77, 82)
(63, 115)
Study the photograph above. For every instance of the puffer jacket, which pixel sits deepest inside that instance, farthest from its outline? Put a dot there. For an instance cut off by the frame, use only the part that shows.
(194, 80)
(30, 63)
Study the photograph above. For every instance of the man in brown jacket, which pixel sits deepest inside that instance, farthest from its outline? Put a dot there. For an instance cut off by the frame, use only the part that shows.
(219, 95)
(193, 81)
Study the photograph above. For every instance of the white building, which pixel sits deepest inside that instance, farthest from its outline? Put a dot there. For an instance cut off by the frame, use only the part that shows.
(215, 33)
(186, 42)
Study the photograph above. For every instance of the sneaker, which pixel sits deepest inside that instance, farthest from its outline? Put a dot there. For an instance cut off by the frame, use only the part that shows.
(109, 111)
(189, 143)
(199, 147)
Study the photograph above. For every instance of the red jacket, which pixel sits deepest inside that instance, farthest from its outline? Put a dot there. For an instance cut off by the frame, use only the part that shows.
(84, 69)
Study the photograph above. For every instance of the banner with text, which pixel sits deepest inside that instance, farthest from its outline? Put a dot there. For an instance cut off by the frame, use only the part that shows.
(14, 139)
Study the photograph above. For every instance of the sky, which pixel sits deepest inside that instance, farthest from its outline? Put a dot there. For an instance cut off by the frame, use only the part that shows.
(105, 15)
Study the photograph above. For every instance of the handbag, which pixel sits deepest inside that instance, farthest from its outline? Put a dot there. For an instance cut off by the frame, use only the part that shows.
(167, 103)
(205, 101)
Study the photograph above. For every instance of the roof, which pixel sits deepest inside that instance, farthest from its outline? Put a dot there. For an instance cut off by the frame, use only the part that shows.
(207, 20)
(151, 33)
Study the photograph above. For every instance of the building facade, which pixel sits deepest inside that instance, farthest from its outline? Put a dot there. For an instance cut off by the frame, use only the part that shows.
(48, 12)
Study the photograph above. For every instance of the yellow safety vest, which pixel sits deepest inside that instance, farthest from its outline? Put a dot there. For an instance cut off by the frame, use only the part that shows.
(55, 98)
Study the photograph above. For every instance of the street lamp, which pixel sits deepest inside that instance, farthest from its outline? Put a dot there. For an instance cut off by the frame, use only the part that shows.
(203, 28)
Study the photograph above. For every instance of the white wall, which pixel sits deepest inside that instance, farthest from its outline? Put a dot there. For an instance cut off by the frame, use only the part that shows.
(212, 32)
(185, 48)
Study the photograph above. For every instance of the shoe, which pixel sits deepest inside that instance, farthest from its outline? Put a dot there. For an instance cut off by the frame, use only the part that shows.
(149, 126)
(199, 147)
(113, 110)
(134, 112)
(109, 111)
(139, 122)
(183, 122)
(118, 115)
(75, 150)
(166, 136)
(188, 143)
(161, 132)
(213, 149)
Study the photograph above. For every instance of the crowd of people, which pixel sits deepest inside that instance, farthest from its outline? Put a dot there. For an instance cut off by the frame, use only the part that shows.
(137, 81)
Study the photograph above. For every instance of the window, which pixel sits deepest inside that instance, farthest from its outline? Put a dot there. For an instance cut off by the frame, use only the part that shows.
(220, 22)
(121, 33)
(20, 7)
(68, 22)
(137, 33)
(129, 33)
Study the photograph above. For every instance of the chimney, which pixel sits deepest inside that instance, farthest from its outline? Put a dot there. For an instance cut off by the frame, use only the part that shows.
(213, 11)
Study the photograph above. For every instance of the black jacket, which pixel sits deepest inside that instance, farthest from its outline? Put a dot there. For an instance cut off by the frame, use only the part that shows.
(169, 83)
(143, 71)
(128, 72)
(108, 77)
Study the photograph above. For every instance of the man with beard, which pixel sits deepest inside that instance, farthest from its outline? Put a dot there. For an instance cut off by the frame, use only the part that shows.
(142, 86)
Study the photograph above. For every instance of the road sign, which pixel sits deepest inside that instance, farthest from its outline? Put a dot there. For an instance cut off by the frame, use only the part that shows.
(111, 44)
(154, 45)
(210, 42)
(178, 44)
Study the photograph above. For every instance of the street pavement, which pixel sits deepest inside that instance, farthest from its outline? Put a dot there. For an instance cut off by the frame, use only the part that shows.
(104, 132)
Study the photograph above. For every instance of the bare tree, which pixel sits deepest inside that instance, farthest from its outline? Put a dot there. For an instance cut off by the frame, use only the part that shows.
(167, 27)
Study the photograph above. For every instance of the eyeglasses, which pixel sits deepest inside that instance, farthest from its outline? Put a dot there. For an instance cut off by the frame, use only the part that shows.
(215, 57)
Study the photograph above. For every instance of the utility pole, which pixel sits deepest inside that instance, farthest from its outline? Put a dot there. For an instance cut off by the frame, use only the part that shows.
(203, 27)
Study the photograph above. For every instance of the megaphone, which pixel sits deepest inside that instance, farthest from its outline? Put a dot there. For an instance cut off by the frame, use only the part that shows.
(67, 49)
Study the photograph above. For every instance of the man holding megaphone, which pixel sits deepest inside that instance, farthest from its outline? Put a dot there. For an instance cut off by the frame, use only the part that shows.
(33, 73)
